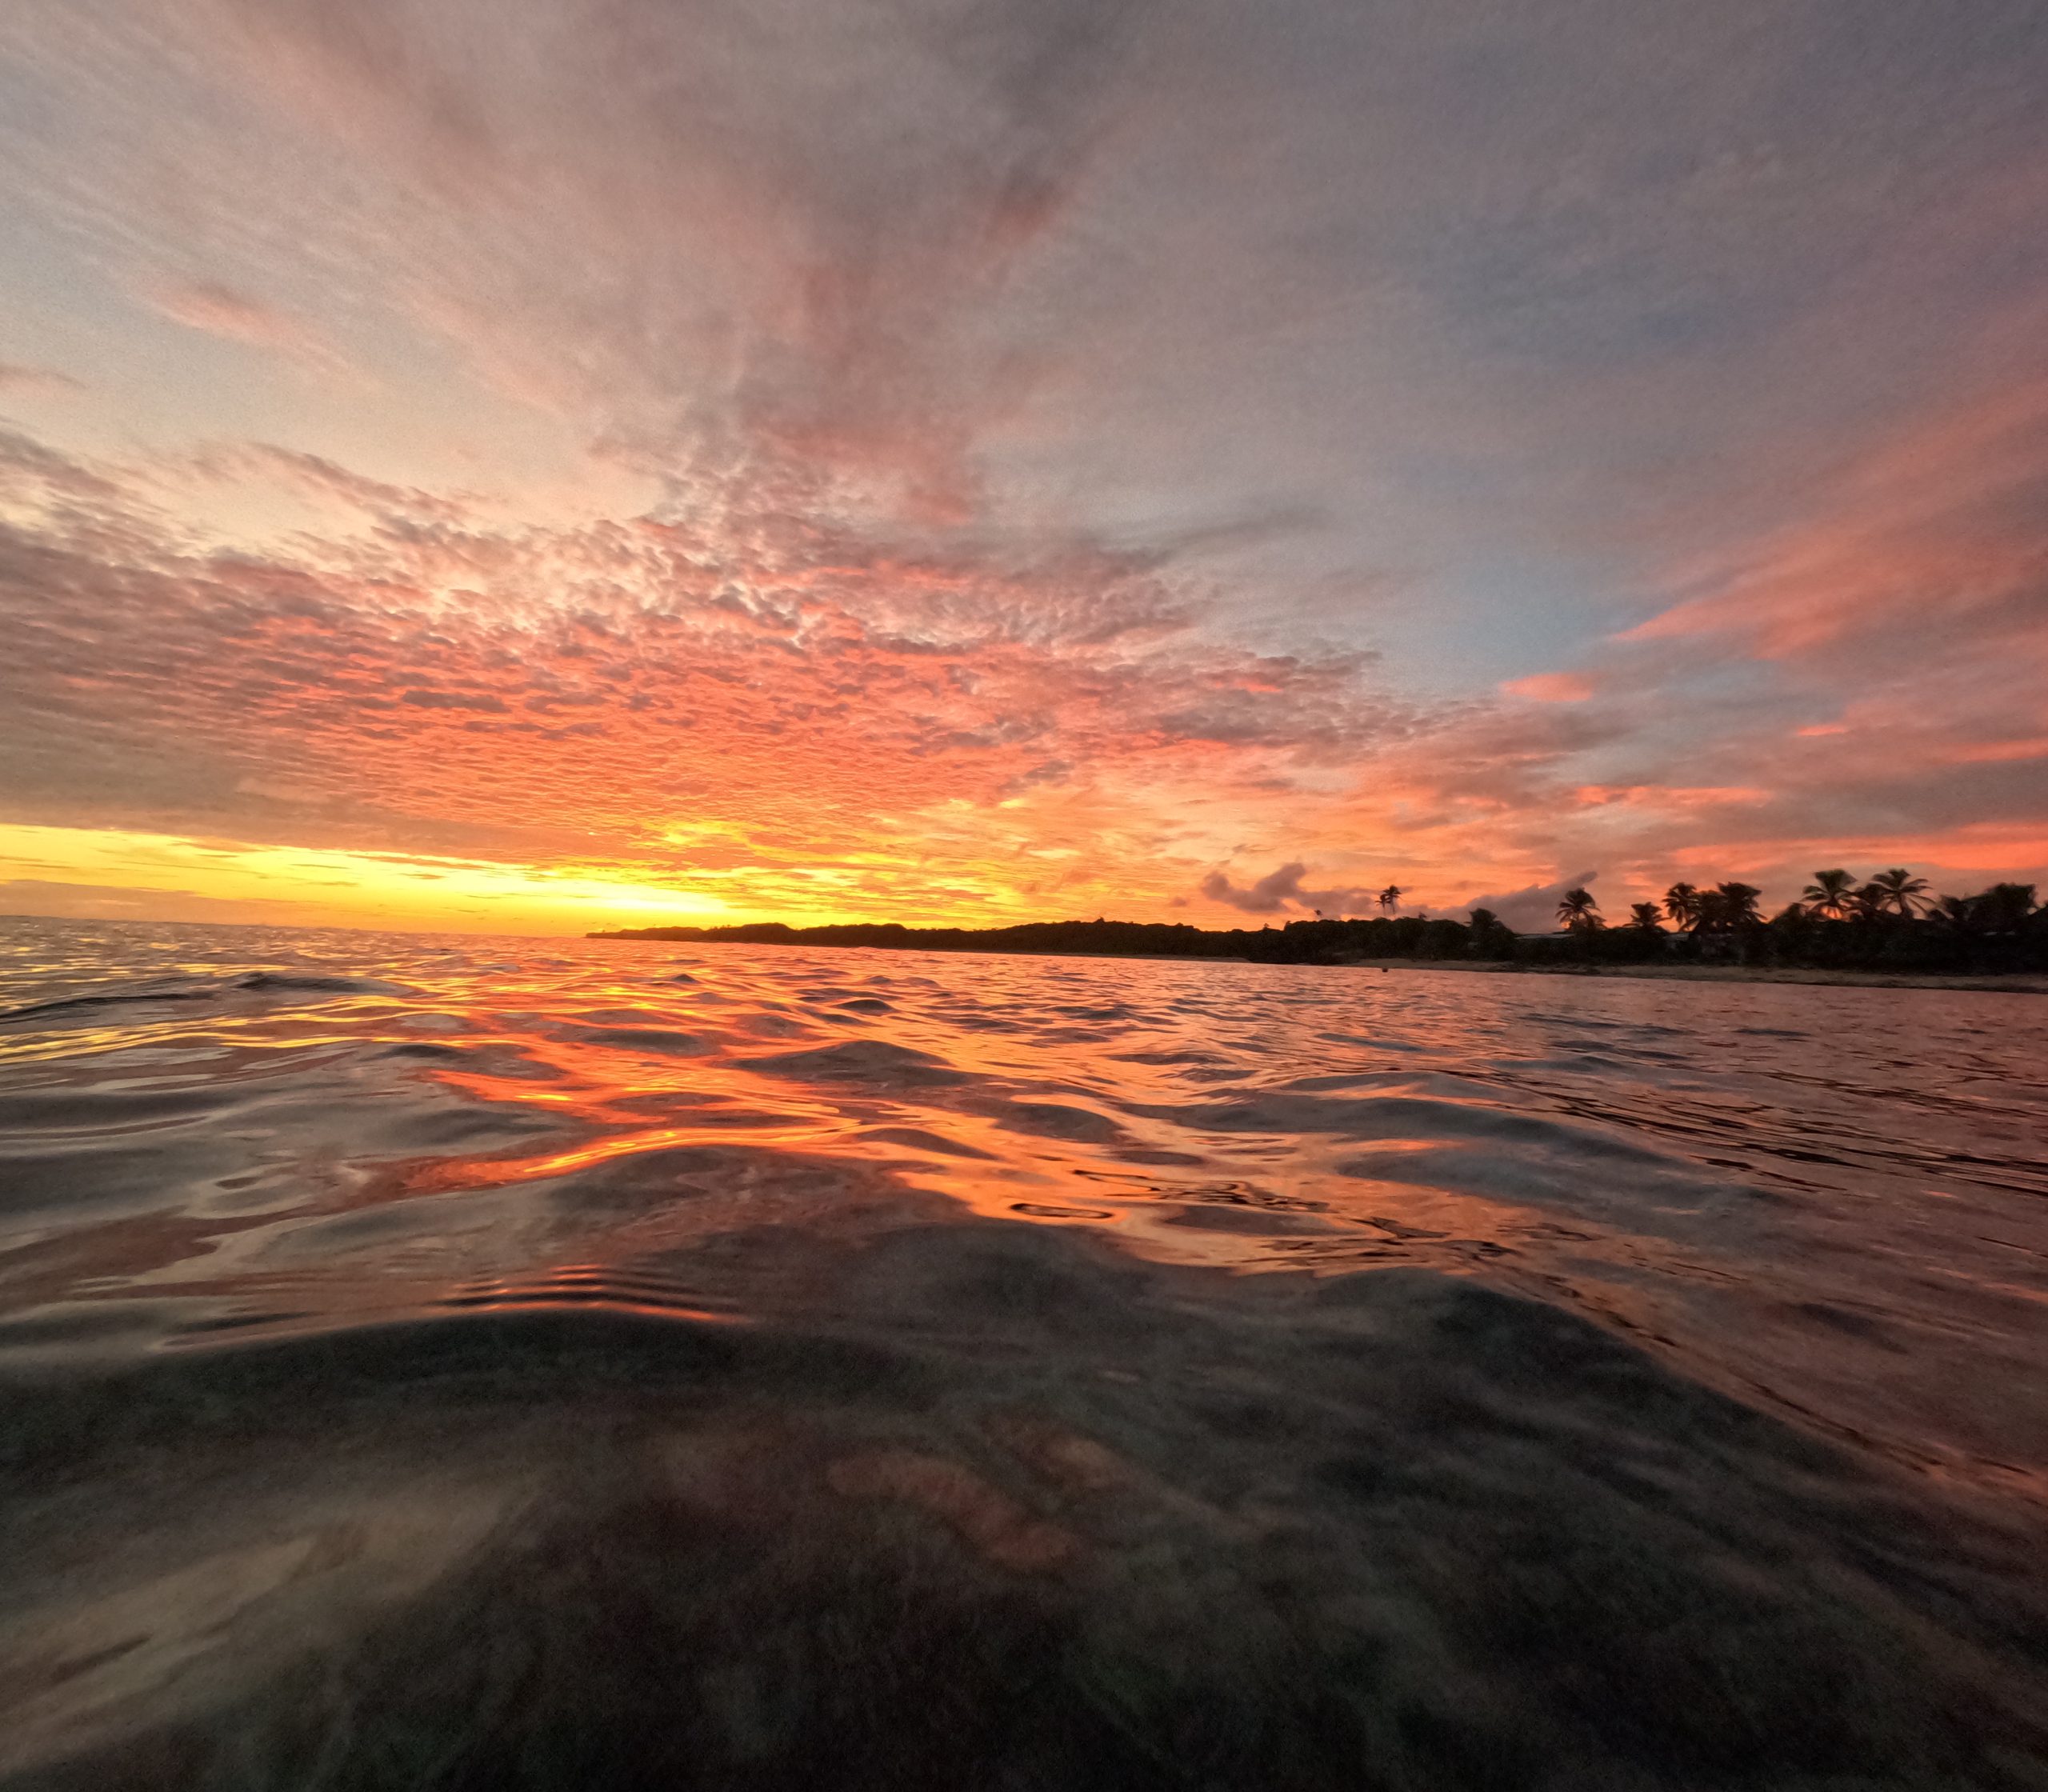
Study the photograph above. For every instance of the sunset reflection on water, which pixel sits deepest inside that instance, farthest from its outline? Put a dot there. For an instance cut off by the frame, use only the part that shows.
(352, 1131)
(1161, 1236)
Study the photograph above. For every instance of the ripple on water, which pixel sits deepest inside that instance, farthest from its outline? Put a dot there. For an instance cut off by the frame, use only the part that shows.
(1085, 1373)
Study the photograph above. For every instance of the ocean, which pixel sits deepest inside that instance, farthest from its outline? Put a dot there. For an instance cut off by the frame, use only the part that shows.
(437, 1362)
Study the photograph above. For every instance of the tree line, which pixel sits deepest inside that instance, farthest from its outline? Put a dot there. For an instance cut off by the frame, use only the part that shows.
(1890, 922)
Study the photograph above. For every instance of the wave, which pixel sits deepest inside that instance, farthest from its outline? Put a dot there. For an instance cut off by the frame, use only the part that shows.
(260, 982)
(76, 1004)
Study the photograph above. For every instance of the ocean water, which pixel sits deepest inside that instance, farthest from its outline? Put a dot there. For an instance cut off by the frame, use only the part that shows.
(437, 1362)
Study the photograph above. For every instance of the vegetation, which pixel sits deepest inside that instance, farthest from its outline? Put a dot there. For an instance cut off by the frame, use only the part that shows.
(1831, 894)
(1890, 923)
(1579, 912)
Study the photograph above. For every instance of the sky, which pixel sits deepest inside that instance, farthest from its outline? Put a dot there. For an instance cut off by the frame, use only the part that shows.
(540, 465)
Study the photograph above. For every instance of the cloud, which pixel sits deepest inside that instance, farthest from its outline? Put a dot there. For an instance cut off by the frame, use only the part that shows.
(1933, 537)
(352, 494)
(219, 310)
(1551, 687)
(948, 349)
(15, 378)
(831, 208)
(114, 901)
(1534, 908)
(1281, 888)
(584, 692)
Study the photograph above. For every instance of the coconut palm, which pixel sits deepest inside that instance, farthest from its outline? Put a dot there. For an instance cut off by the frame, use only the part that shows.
(1900, 891)
(1727, 907)
(1831, 894)
(1738, 902)
(1681, 903)
(1645, 916)
(1579, 912)
(1390, 898)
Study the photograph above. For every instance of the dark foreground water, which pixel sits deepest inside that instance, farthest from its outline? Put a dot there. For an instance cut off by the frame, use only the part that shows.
(436, 1363)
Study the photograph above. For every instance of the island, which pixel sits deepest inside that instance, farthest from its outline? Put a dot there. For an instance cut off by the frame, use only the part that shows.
(1886, 930)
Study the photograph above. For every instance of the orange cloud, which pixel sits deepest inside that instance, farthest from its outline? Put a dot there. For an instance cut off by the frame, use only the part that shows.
(814, 725)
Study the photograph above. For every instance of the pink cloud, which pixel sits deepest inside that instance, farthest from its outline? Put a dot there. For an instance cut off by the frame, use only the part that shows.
(1936, 527)
(220, 310)
(14, 377)
(827, 295)
(1996, 752)
(584, 692)
(1551, 687)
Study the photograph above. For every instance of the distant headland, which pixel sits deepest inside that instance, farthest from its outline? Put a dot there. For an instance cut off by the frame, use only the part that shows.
(1889, 928)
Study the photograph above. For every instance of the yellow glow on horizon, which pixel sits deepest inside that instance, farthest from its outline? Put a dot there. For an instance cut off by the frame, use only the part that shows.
(106, 872)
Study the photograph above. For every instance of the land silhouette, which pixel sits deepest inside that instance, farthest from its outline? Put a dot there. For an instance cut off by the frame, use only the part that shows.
(1890, 923)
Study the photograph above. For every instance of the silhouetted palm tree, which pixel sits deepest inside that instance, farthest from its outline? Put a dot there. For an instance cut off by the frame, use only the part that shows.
(1681, 903)
(1728, 906)
(1739, 902)
(1831, 894)
(1390, 898)
(1647, 916)
(1900, 891)
(1579, 912)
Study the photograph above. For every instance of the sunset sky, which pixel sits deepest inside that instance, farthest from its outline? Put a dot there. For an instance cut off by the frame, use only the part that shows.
(539, 465)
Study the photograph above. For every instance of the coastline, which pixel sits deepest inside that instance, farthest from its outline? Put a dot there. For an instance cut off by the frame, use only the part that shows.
(1997, 940)
(2014, 982)
(2010, 982)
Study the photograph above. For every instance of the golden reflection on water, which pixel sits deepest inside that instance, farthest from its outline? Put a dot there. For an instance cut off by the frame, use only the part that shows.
(1790, 1184)
(420, 1360)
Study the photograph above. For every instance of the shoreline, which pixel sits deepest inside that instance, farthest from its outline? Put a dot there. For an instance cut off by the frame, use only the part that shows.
(2018, 982)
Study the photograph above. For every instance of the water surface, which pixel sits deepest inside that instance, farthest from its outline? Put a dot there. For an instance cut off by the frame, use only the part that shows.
(438, 1362)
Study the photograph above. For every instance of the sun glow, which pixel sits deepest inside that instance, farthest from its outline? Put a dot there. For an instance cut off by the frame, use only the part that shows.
(161, 876)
